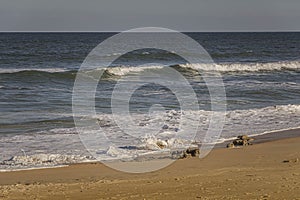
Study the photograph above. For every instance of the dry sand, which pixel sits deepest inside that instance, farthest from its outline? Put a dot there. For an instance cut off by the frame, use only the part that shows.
(253, 172)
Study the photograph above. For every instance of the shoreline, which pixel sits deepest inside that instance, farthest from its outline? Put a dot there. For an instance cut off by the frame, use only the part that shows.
(277, 135)
(265, 170)
(268, 136)
(258, 138)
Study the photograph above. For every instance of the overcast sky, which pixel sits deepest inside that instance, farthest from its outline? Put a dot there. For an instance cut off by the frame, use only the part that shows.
(120, 15)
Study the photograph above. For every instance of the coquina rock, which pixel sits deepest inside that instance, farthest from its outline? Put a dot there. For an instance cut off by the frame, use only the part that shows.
(190, 152)
(242, 140)
(230, 145)
(193, 152)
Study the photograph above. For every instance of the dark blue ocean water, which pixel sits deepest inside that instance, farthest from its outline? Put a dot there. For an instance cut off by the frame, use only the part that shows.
(261, 73)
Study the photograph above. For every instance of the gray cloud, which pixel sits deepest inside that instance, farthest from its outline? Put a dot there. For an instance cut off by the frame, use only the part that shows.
(119, 15)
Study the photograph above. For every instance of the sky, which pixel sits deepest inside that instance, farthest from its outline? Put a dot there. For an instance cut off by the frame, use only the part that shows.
(121, 15)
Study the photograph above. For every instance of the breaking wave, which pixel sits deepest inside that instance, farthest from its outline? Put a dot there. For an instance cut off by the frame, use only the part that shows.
(42, 160)
(252, 122)
(244, 67)
(221, 67)
(124, 70)
(17, 70)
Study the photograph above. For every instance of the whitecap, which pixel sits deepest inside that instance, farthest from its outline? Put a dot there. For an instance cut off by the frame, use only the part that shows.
(16, 70)
(244, 67)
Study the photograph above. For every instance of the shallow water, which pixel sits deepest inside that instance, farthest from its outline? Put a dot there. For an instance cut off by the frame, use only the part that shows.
(260, 71)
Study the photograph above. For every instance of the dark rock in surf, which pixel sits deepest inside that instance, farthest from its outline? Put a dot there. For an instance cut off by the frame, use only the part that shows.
(242, 140)
(193, 151)
(188, 153)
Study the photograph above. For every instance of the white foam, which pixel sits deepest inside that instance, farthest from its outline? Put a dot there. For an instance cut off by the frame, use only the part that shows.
(118, 153)
(124, 70)
(58, 145)
(62, 131)
(43, 160)
(252, 121)
(15, 70)
(245, 67)
(223, 67)
(153, 143)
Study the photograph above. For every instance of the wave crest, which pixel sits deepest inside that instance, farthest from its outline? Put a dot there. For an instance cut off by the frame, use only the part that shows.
(244, 67)
(125, 70)
(17, 70)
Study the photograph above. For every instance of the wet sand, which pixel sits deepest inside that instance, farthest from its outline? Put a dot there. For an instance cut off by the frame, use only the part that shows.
(268, 170)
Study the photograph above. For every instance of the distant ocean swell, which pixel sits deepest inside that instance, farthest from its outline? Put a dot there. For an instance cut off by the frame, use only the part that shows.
(123, 70)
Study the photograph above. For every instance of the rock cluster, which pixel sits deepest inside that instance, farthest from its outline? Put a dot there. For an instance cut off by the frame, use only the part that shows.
(242, 140)
(190, 152)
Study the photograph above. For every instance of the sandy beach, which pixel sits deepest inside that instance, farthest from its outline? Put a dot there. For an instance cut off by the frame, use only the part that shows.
(145, 97)
(268, 170)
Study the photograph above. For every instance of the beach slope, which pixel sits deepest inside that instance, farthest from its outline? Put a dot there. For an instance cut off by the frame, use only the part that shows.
(269, 170)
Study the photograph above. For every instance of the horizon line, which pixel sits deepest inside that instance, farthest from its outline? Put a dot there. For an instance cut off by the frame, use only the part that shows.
(185, 31)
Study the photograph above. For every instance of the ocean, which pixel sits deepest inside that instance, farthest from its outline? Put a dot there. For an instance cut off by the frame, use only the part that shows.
(260, 71)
